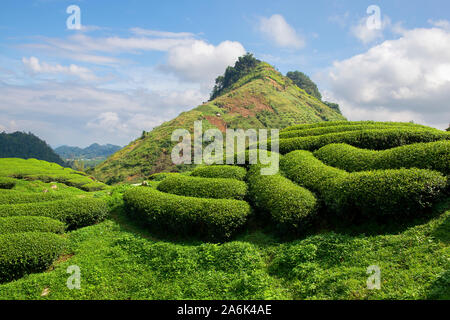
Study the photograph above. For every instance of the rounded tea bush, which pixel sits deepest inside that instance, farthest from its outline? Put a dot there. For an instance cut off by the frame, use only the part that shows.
(220, 171)
(15, 196)
(378, 192)
(211, 218)
(431, 155)
(376, 139)
(74, 212)
(93, 186)
(217, 188)
(289, 205)
(30, 223)
(28, 252)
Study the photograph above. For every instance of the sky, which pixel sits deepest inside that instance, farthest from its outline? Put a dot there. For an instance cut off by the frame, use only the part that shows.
(121, 67)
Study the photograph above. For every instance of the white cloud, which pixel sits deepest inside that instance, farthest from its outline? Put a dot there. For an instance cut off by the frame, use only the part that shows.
(367, 34)
(444, 24)
(280, 32)
(163, 34)
(404, 79)
(203, 62)
(35, 66)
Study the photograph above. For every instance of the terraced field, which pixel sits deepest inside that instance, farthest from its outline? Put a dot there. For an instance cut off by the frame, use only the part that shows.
(348, 195)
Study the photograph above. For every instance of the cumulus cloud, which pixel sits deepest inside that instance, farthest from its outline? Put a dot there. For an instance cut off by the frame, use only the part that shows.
(35, 66)
(201, 61)
(280, 32)
(367, 33)
(164, 34)
(403, 79)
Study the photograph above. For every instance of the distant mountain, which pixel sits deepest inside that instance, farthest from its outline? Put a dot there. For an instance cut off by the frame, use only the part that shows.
(94, 151)
(27, 145)
(252, 94)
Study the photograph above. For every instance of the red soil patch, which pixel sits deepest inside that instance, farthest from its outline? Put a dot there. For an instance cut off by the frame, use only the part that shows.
(218, 122)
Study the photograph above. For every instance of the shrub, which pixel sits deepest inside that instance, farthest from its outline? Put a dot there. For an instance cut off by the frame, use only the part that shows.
(340, 128)
(212, 218)
(432, 155)
(15, 197)
(379, 192)
(30, 223)
(220, 171)
(24, 253)
(376, 139)
(93, 186)
(289, 205)
(7, 183)
(349, 123)
(162, 175)
(216, 188)
(74, 212)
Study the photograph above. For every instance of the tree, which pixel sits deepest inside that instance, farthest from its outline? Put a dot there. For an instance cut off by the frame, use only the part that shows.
(242, 67)
(448, 129)
(302, 81)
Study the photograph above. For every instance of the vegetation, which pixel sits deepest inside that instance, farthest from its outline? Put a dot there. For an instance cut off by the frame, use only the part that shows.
(222, 171)
(22, 253)
(30, 224)
(7, 183)
(210, 218)
(302, 81)
(26, 145)
(432, 155)
(216, 188)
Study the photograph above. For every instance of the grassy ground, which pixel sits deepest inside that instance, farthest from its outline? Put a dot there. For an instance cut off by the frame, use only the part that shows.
(119, 260)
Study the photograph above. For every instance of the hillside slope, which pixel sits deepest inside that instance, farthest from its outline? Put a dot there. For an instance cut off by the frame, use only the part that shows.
(263, 98)
(26, 145)
(92, 152)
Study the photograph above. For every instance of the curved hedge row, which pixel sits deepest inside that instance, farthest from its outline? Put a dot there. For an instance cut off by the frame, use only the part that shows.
(341, 128)
(289, 205)
(217, 188)
(74, 212)
(432, 155)
(367, 139)
(30, 223)
(93, 186)
(160, 176)
(15, 197)
(24, 253)
(7, 183)
(212, 218)
(341, 123)
(379, 192)
(220, 171)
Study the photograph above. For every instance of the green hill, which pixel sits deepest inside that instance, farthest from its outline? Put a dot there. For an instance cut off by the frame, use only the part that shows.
(26, 146)
(256, 97)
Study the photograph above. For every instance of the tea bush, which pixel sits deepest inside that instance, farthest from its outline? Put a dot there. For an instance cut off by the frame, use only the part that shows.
(74, 212)
(27, 252)
(432, 155)
(15, 197)
(30, 223)
(7, 183)
(217, 188)
(220, 171)
(211, 218)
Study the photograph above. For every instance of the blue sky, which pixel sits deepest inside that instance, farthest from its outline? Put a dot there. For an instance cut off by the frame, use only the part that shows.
(135, 64)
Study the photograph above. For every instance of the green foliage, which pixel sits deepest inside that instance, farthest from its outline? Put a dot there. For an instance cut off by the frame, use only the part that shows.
(16, 197)
(7, 183)
(220, 171)
(290, 206)
(432, 155)
(29, 224)
(74, 212)
(26, 145)
(216, 188)
(162, 175)
(305, 126)
(367, 193)
(302, 81)
(377, 139)
(242, 67)
(24, 253)
(93, 186)
(211, 218)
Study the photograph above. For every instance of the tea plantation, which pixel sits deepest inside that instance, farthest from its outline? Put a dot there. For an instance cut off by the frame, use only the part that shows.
(348, 195)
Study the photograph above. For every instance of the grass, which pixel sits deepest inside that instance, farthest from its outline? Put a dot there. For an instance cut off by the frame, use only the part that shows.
(120, 260)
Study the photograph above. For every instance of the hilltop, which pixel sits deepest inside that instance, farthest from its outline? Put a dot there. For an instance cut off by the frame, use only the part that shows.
(27, 145)
(251, 96)
(94, 151)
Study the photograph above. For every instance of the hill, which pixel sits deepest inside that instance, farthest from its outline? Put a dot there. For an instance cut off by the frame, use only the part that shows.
(27, 145)
(94, 151)
(251, 96)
